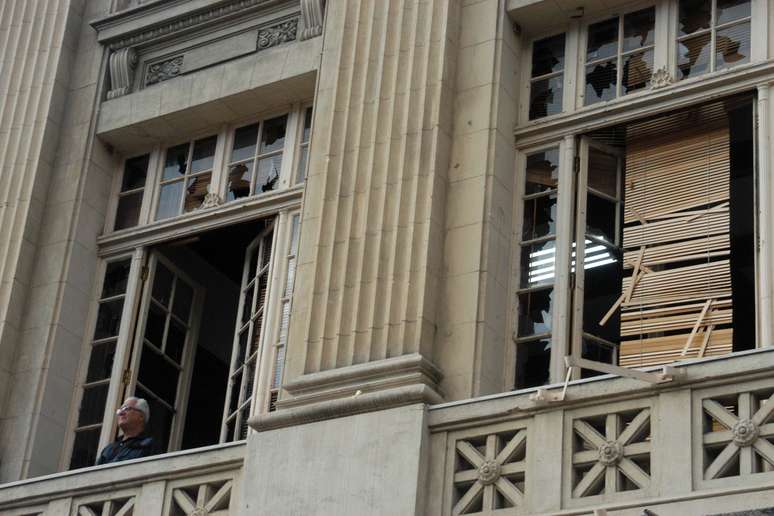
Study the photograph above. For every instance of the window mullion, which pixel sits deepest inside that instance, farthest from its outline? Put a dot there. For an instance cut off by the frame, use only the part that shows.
(713, 36)
(619, 59)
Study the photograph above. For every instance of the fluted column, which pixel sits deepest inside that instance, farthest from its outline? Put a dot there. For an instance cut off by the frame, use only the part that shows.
(372, 230)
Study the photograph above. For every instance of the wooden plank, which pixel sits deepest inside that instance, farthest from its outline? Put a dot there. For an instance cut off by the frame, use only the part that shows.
(696, 326)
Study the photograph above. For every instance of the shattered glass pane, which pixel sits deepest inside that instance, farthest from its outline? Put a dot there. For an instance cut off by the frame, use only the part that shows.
(542, 171)
(545, 97)
(175, 162)
(135, 170)
(535, 312)
(639, 29)
(203, 154)
(539, 217)
(732, 46)
(196, 190)
(600, 82)
(532, 363)
(537, 264)
(245, 142)
(693, 56)
(637, 70)
(694, 15)
(603, 40)
(268, 173)
(548, 55)
(273, 134)
(239, 180)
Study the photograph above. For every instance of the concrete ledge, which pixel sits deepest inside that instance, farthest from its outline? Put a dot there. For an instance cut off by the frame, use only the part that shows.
(356, 404)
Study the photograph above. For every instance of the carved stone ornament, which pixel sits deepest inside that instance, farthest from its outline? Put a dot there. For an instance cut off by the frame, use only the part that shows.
(164, 70)
(745, 432)
(200, 511)
(489, 472)
(122, 65)
(211, 200)
(312, 12)
(660, 78)
(277, 34)
(611, 453)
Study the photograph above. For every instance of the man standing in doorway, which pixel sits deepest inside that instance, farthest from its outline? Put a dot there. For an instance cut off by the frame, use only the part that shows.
(133, 417)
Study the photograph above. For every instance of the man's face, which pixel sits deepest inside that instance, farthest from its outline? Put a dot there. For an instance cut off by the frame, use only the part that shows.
(130, 418)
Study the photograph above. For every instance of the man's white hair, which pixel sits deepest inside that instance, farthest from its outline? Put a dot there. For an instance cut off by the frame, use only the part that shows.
(141, 405)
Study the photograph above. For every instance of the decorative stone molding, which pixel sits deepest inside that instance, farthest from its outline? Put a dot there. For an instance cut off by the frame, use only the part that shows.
(660, 78)
(738, 433)
(163, 70)
(211, 200)
(115, 507)
(604, 463)
(355, 404)
(497, 477)
(277, 34)
(122, 65)
(312, 12)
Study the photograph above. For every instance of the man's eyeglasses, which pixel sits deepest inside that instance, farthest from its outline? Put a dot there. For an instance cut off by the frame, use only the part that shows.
(126, 408)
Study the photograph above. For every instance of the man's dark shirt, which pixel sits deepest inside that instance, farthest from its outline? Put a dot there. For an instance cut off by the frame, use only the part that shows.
(126, 449)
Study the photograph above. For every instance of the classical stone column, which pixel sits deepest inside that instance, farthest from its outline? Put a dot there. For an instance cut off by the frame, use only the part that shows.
(364, 312)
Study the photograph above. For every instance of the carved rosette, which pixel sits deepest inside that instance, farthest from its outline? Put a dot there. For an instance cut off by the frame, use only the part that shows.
(611, 453)
(277, 34)
(489, 467)
(489, 472)
(163, 70)
(745, 432)
(660, 78)
(122, 64)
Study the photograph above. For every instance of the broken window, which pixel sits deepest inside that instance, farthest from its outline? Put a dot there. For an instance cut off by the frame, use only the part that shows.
(190, 326)
(132, 191)
(547, 77)
(256, 158)
(619, 55)
(662, 266)
(712, 35)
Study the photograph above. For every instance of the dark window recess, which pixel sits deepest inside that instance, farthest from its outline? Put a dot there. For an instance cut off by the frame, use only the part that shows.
(547, 77)
(532, 363)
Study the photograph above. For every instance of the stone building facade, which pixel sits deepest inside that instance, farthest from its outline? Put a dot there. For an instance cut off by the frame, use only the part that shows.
(400, 257)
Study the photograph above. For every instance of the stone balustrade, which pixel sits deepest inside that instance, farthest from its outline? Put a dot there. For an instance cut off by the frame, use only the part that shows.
(613, 445)
(198, 482)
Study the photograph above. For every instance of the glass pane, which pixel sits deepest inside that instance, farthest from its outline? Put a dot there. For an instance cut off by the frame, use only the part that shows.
(160, 424)
(603, 40)
(307, 125)
(116, 276)
(257, 327)
(273, 134)
(279, 360)
(93, 405)
(239, 180)
(542, 171)
(600, 82)
(548, 55)
(291, 276)
(242, 349)
(169, 200)
(183, 299)
(268, 173)
(243, 427)
(175, 341)
(693, 56)
(539, 217)
(135, 171)
(602, 287)
(639, 29)
(108, 319)
(245, 141)
(603, 172)
(637, 69)
(154, 326)
(248, 307)
(301, 172)
(537, 264)
(730, 10)
(203, 154)
(545, 97)
(249, 382)
(162, 284)
(85, 448)
(733, 46)
(196, 190)
(535, 312)
(694, 15)
(101, 361)
(532, 363)
(158, 375)
(601, 218)
(128, 212)
(175, 161)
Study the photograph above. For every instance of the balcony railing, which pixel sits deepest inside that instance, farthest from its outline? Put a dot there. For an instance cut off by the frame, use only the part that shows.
(702, 443)
(195, 482)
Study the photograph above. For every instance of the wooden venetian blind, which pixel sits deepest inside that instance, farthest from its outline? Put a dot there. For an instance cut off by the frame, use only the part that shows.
(676, 241)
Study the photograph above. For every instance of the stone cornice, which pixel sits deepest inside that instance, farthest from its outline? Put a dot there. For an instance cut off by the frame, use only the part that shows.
(157, 20)
(356, 404)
